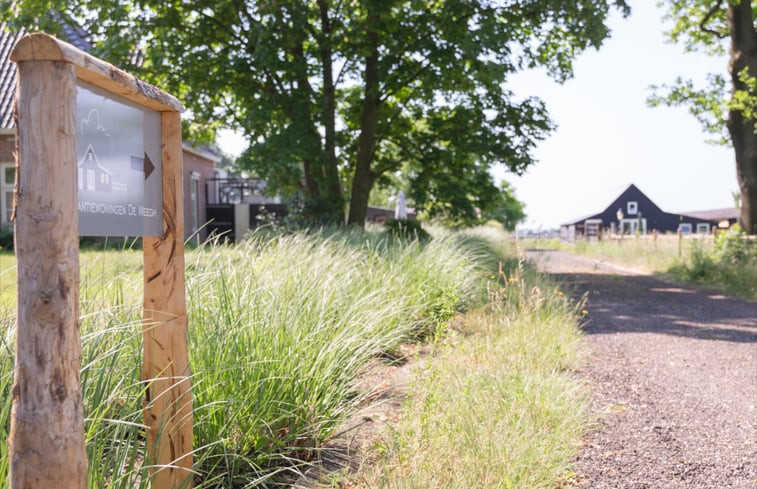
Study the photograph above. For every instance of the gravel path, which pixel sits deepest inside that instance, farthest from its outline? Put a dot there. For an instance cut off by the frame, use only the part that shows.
(674, 376)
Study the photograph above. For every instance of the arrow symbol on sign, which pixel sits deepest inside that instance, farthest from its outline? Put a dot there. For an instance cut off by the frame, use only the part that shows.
(149, 167)
(144, 165)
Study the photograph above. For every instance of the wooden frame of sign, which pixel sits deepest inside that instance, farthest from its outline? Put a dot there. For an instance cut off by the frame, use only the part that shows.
(46, 440)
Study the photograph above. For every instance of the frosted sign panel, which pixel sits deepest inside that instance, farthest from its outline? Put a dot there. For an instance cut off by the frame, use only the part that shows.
(119, 168)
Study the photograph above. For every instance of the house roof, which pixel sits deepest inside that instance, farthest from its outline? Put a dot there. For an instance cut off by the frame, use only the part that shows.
(73, 34)
(202, 151)
(715, 214)
(7, 75)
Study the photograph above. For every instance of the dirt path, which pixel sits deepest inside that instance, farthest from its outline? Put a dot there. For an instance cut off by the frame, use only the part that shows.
(674, 377)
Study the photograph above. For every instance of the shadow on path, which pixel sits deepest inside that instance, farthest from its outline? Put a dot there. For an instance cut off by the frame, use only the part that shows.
(626, 301)
(640, 304)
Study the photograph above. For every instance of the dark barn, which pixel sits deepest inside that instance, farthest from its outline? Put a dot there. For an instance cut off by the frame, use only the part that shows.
(633, 212)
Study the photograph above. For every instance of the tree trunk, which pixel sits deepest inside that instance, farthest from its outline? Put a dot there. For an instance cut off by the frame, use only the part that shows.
(312, 190)
(331, 170)
(363, 179)
(324, 202)
(741, 129)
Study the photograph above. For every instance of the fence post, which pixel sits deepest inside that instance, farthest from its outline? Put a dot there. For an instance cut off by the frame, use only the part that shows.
(654, 239)
(46, 441)
(166, 363)
(241, 221)
(680, 241)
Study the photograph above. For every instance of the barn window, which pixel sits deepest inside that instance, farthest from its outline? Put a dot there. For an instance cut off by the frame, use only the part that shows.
(685, 227)
(632, 207)
(703, 228)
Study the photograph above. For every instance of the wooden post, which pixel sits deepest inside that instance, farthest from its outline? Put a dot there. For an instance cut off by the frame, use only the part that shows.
(46, 440)
(168, 412)
(680, 241)
(654, 239)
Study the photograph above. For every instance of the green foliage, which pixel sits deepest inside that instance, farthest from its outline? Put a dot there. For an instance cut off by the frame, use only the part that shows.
(731, 265)
(699, 266)
(508, 211)
(698, 24)
(734, 247)
(745, 100)
(336, 96)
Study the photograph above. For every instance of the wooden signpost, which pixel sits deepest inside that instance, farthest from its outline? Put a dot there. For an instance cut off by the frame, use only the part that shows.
(46, 440)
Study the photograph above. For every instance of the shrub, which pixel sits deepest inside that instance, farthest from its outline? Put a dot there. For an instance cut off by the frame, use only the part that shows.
(701, 264)
(406, 229)
(733, 247)
(6, 238)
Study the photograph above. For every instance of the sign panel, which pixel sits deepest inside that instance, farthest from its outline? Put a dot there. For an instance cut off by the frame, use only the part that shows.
(119, 167)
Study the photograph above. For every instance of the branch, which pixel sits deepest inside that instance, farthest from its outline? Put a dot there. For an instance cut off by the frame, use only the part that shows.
(405, 83)
(222, 27)
(381, 169)
(342, 71)
(706, 19)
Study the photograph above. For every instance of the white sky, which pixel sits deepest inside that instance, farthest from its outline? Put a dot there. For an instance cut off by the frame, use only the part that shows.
(607, 138)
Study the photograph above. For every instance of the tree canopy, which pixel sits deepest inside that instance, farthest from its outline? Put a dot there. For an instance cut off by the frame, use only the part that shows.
(336, 96)
(726, 107)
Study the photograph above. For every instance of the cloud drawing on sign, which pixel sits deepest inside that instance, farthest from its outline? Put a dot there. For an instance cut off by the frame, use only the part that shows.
(96, 134)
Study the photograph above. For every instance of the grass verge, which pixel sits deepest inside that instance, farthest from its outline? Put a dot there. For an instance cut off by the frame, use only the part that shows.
(499, 406)
(727, 263)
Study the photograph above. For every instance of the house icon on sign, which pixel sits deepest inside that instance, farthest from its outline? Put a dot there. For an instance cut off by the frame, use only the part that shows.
(92, 176)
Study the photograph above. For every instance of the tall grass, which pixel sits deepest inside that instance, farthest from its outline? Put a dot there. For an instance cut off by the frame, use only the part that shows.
(730, 266)
(700, 260)
(642, 252)
(279, 329)
(283, 327)
(499, 408)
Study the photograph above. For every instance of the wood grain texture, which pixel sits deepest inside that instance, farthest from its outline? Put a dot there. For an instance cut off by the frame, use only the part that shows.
(46, 440)
(44, 47)
(168, 412)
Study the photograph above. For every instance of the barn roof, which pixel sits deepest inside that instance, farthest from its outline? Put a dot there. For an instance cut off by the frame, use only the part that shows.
(715, 214)
(614, 204)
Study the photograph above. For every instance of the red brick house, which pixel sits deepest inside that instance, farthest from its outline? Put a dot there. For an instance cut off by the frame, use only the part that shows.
(199, 164)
